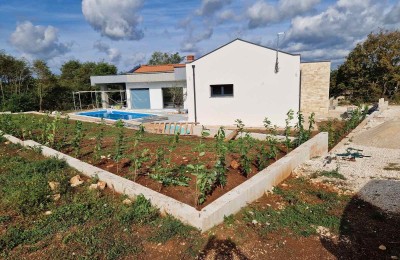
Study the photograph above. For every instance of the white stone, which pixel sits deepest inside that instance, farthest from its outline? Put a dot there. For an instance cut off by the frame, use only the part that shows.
(75, 181)
(127, 202)
(54, 185)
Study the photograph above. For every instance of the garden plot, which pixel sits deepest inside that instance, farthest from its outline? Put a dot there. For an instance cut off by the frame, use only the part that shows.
(195, 171)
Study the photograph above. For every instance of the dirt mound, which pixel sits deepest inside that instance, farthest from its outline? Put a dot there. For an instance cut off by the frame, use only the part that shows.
(386, 135)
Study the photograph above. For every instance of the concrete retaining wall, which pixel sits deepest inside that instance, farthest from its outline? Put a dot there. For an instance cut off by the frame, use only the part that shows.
(214, 213)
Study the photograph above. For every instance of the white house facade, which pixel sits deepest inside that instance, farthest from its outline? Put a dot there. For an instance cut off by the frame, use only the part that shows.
(240, 81)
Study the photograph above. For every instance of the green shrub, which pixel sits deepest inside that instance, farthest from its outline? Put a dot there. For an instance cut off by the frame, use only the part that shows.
(140, 212)
(21, 102)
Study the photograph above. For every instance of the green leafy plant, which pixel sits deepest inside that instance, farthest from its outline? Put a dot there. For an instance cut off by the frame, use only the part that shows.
(138, 159)
(64, 127)
(78, 135)
(264, 155)
(99, 141)
(171, 179)
(53, 127)
(245, 144)
(220, 165)
(288, 128)
(205, 181)
(120, 145)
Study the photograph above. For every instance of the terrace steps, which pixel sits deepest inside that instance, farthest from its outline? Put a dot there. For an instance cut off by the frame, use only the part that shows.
(184, 128)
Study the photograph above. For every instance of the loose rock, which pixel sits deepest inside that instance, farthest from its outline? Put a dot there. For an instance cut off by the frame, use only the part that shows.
(127, 202)
(76, 181)
(93, 186)
(57, 197)
(54, 185)
(235, 164)
(101, 185)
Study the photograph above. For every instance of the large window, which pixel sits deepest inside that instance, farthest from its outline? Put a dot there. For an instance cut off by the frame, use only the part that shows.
(223, 90)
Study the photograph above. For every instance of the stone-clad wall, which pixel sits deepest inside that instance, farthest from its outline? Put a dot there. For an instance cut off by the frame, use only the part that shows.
(314, 97)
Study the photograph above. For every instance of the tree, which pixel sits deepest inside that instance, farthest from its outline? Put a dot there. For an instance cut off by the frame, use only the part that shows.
(45, 80)
(76, 75)
(159, 58)
(371, 70)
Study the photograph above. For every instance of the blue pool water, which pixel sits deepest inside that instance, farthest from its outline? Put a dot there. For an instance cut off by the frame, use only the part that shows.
(114, 115)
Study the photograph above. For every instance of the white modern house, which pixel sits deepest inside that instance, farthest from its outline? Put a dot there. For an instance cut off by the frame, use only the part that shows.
(240, 80)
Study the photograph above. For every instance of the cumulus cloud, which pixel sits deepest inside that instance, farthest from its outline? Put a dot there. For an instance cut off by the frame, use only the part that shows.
(210, 7)
(113, 54)
(332, 33)
(341, 24)
(211, 14)
(262, 13)
(195, 37)
(226, 15)
(134, 59)
(38, 41)
(117, 20)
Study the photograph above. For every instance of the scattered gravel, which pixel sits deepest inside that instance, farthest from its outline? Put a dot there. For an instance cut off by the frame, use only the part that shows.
(366, 174)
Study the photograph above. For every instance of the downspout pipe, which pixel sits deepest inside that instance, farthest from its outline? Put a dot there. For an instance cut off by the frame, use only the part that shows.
(194, 93)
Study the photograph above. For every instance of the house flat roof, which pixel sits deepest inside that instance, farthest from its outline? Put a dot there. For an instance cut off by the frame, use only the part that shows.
(157, 68)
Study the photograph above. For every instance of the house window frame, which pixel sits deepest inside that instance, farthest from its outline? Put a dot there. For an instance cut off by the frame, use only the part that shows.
(222, 95)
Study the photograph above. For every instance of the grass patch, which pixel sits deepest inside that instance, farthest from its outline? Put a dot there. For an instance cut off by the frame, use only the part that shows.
(168, 228)
(139, 212)
(229, 220)
(306, 207)
(97, 241)
(86, 223)
(334, 174)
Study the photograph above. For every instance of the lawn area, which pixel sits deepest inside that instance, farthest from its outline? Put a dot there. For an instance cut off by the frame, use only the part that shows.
(299, 220)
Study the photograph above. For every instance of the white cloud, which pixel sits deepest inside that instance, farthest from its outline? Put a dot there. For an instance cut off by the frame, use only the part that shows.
(134, 59)
(332, 33)
(113, 54)
(38, 41)
(210, 7)
(291, 8)
(261, 13)
(115, 19)
(226, 15)
(194, 37)
(341, 24)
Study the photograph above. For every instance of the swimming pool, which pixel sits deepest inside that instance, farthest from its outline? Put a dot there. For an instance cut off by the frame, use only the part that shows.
(114, 114)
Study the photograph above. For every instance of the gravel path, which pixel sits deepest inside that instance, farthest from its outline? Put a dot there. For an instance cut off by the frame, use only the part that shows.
(375, 172)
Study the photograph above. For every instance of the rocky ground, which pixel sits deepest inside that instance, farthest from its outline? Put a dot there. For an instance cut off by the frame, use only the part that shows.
(368, 163)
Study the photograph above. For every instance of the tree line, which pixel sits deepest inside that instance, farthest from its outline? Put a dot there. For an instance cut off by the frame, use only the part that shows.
(26, 86)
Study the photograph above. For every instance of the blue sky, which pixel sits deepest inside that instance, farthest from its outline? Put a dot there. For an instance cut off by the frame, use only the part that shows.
(127, 32)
